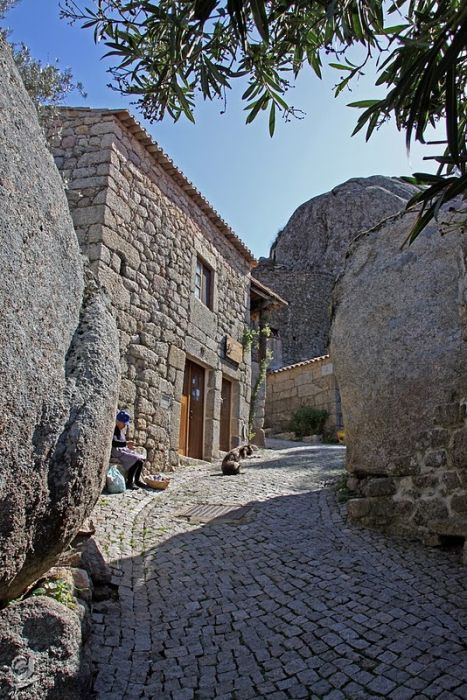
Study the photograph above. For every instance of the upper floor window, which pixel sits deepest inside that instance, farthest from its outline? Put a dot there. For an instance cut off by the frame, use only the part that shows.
(203, 283)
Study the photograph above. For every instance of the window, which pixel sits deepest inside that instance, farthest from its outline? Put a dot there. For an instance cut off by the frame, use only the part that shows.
(203, 283)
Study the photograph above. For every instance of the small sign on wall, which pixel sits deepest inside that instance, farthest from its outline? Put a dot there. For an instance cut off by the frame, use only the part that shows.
(233, 349)
(166, 401)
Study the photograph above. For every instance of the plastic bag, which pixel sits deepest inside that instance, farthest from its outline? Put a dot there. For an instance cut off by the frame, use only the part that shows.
(115, 482)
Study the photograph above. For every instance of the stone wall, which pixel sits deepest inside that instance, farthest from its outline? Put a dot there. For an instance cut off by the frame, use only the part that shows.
(303, 325)
(142, 229)
(310, 383)
(309, 254)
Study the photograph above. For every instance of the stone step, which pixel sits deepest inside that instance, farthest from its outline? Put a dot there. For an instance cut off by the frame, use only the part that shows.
(189, 461)
(454, 527)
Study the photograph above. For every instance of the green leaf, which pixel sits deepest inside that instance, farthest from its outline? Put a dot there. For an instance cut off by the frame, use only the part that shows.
(451, 114)
(256, 107)
(372, 124)
(315, 62)
(341, 86)
(250, 91)
(363, 103)
(340, 66)
(425, 178)
(418, 227)
(357, 27)
(259, 15)
(272, 119)
(203, 9)
(39, 591)
(396, 29)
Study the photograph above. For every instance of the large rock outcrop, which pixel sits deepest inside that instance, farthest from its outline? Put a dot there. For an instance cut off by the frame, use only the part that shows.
(41, 653)
(398, 344)
(59, 350)
(309, 254)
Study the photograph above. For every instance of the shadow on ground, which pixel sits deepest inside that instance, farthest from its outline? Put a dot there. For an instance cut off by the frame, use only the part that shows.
(292, 604)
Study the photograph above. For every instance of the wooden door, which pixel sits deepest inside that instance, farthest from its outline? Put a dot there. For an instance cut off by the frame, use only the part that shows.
(196, 412)
(182, 441)
(226, 400)
(192, 412)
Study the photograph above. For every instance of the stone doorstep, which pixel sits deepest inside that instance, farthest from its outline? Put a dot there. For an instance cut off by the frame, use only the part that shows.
(191, 461)
(454, 527)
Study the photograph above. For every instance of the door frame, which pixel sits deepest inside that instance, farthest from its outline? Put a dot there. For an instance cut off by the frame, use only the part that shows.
(185, 409)
(224, 446)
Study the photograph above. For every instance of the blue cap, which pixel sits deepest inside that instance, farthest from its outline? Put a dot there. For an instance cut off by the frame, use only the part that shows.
(123, 417)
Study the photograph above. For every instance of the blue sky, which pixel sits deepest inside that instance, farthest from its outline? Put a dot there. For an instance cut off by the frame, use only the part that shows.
(253, 181)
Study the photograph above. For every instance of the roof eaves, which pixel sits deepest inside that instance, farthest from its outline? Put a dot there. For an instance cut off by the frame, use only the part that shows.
(303, 363)
(141, 135)
(267, 293)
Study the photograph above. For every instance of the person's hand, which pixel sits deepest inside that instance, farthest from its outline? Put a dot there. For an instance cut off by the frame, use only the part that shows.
(130, 444)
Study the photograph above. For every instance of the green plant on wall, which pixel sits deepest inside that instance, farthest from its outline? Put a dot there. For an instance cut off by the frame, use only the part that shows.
(263, 368)
(252, 336)
(308, 421)
(58, 589)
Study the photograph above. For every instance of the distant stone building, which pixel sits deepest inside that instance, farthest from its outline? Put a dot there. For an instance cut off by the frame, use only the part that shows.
(179, 282)
(263, 302)
(310, 383)
(309, 253)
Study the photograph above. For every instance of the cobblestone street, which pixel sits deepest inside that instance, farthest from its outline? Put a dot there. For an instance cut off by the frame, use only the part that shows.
(288, 602)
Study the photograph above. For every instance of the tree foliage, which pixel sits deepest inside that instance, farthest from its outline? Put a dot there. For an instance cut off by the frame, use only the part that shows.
(6, 5)
(167, 52)
(47, 84)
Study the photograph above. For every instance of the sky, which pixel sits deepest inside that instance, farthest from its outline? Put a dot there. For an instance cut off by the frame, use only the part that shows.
(254, 182)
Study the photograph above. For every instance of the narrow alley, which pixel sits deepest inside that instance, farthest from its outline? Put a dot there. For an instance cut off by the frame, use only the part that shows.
(279, 600)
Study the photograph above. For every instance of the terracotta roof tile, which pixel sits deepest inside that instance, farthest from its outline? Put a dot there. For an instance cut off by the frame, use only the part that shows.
(300, 364)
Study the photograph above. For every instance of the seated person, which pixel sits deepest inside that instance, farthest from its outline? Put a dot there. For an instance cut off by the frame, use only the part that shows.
(122, 452)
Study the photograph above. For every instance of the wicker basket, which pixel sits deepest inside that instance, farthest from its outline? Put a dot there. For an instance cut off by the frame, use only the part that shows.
(156, 483)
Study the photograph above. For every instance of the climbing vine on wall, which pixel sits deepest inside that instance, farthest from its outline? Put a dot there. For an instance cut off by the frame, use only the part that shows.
(263, 368)
(252, 338)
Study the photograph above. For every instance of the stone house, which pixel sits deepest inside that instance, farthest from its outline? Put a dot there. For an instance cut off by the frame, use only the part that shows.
(308, 383)
(178, 279)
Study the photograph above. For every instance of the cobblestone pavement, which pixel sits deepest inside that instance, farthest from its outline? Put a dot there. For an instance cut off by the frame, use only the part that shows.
(293, 603)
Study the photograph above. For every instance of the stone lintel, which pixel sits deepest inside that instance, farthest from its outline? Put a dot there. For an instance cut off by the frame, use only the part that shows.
(177, 357)
(200, 353)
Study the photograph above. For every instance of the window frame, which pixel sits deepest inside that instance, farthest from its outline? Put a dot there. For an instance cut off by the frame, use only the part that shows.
(204, 282)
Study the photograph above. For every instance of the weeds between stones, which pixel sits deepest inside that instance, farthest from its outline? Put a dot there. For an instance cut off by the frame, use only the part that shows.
(343, 492)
